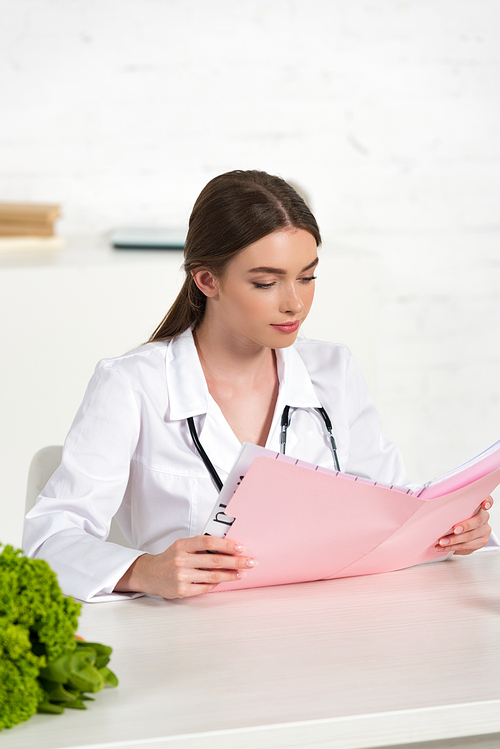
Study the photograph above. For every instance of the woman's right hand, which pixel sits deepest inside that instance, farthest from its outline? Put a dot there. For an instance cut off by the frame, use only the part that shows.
(184, 569)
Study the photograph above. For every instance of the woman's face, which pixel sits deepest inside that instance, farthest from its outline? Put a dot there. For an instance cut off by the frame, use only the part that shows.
(267, 290)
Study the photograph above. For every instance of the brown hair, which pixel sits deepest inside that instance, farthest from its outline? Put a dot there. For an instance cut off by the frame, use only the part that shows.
(233, 211)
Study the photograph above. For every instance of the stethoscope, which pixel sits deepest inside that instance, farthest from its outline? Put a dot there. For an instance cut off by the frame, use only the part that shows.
(285, 423)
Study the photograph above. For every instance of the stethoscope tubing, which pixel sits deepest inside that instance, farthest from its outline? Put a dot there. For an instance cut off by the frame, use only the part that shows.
(208, 463)
(285, 423)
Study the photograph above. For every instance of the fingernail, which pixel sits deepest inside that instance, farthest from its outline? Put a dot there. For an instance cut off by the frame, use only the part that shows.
(487, 505)
(458, 529)
(239, 547)
(444, 541)
(239, 575)
(250, 563)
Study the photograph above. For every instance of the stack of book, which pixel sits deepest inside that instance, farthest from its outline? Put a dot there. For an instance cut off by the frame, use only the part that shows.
(28, 226)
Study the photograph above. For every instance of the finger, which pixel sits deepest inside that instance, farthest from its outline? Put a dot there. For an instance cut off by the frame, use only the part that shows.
(214, 577)
(210, 543)
(473, 537)
(195, 582)
(465, 536)
(479, 519)
(188, 590)
(465, 549)
(464, 552)
(217, 561)
(488, 503)
(468, 542)
(224, 553)
(180, 577)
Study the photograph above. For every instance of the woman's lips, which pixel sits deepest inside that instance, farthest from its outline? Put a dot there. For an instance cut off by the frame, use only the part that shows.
(287, 327)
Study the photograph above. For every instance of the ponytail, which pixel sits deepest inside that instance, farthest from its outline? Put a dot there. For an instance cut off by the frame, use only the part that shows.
(186, 312)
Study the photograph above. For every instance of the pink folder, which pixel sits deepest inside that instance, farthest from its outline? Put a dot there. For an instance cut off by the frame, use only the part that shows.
(303, 523)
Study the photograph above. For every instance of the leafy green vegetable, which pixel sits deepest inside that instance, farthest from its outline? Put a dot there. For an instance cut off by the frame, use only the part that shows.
(43, 667)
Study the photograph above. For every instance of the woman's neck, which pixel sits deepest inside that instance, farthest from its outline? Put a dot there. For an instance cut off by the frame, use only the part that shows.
(226, 358)
(243, 381)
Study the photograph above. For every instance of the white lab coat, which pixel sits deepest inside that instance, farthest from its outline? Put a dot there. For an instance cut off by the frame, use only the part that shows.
(129, 453)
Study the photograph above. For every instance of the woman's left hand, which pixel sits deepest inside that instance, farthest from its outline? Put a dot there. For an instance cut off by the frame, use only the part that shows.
(470, 535)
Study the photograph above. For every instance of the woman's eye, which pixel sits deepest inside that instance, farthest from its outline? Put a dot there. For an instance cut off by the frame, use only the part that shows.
(262, 285)
(308, 279)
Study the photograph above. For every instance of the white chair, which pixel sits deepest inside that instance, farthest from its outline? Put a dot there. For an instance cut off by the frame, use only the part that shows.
(43, 465)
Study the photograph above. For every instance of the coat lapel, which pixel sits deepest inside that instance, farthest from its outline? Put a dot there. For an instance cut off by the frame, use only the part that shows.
(189, 396)
(296, 390)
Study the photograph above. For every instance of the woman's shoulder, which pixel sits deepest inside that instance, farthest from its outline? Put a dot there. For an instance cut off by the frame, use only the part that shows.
(314, 352)
(134, 366)
(332, 369)
(327, 363)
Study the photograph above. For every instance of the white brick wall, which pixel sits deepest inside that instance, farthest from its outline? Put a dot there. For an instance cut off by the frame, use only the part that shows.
(386, 112)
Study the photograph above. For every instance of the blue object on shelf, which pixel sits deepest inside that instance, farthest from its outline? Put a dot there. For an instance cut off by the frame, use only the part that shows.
(151, 238)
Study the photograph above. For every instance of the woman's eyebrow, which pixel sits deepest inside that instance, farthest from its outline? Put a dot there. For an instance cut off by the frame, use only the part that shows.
(281, 271)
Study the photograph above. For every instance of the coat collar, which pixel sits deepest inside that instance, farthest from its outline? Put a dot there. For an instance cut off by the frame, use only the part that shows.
(296, 388)
(187, 388)
(188, 391)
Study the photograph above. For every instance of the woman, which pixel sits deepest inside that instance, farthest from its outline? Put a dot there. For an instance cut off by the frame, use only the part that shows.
(225, 358)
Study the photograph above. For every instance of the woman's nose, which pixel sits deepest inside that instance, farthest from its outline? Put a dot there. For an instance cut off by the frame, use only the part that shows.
(291, 301)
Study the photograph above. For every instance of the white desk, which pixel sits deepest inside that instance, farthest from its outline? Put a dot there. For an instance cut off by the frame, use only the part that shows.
(410, 656)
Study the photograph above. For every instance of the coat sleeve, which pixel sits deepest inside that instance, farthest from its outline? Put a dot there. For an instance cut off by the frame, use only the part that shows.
(70, 522)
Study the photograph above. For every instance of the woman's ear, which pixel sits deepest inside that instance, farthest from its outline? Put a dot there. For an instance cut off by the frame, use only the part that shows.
(206, 282)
